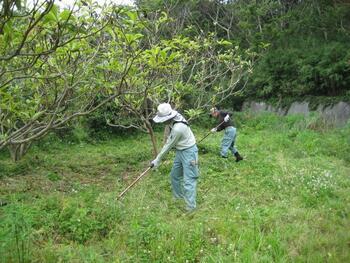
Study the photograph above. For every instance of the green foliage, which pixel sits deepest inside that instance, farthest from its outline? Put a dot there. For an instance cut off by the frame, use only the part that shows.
(93, 216)
(301, 48)
(43, 84)
(16, 233)
(324, 70)
(285, 202)
(77, 223)
(18, 169)
(53, 176)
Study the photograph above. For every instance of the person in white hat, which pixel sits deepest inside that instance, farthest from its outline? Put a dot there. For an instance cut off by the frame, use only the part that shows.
(184, 172)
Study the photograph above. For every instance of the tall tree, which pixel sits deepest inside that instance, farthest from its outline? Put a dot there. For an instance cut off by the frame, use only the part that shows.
(191, 73)
(51, 71)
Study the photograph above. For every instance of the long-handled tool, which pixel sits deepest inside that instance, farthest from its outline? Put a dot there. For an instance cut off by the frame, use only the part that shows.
(134, 182)
(209, 133)
(149, 168)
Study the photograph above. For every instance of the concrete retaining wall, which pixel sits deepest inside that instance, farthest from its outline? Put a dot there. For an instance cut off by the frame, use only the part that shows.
(337, 114)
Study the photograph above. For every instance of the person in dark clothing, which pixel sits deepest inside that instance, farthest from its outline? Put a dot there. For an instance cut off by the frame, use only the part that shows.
(228, 141)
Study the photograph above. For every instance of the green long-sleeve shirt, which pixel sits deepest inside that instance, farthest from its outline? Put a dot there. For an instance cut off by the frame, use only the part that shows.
(180, 137)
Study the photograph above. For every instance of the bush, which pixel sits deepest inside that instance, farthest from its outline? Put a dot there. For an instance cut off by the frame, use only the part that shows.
(299, 71)
(16, 233)
(92, 216)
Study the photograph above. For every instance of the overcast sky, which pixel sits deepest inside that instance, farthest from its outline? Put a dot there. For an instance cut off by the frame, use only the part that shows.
(67, 3)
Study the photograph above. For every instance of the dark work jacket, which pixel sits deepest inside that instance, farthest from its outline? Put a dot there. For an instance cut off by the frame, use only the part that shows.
(222, 115)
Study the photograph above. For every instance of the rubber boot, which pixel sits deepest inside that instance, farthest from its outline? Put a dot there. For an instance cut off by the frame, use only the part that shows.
(238, 157)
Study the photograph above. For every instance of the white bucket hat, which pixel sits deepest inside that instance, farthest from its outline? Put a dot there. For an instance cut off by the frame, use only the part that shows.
(165, 112)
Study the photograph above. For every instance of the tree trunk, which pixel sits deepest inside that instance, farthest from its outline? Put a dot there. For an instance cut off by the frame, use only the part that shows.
(259, 24)
(166, 133)
(153, 137)
(17, 151)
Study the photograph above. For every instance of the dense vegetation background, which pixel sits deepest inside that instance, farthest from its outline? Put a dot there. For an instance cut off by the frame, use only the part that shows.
(78, 89)
(114, 64)
(302, 46)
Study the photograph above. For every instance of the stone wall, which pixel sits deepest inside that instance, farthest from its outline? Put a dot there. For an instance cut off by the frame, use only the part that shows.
(337, 114)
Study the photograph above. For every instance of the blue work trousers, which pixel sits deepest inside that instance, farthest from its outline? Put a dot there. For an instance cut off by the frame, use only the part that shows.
(184, 175)
(228, 141)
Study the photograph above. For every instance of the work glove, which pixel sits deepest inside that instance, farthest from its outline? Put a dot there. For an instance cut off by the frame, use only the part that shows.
(213, 130)
(155, 163)
(227, 118)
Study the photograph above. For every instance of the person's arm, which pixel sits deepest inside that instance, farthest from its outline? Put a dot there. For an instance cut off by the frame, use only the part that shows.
(173, 138)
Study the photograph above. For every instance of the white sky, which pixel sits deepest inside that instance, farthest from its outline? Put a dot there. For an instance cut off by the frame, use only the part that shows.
(122, 2)
(68, 3)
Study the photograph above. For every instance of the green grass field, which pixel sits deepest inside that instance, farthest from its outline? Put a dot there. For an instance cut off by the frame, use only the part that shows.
(288, 201)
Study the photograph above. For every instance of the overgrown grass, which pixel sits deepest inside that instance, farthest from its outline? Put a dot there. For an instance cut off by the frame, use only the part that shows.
(288, 201)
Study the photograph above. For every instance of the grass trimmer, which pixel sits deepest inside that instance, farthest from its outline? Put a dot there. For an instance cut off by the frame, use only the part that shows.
(134, 182)
(209, 133)
(202, 148)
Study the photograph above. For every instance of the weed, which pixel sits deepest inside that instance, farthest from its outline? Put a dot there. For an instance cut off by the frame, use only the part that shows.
(287, 201)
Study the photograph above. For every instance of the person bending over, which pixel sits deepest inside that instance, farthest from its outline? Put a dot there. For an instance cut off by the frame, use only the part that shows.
(184, 172)
(228, 141)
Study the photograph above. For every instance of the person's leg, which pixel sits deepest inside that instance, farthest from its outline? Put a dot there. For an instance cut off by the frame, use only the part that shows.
(190, 167)
(232, 146)
(176, 176)
(238, 157)
(226, 141)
